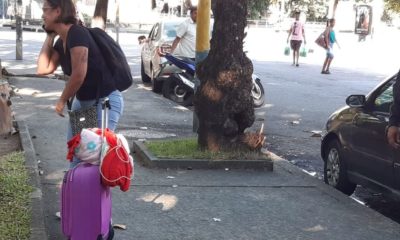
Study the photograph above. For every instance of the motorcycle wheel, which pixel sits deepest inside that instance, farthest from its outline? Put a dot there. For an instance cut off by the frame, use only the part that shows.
(177, 92)
(257, 92)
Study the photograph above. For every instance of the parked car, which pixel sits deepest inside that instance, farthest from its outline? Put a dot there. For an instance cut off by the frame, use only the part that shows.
(153, 67)
(355, 149)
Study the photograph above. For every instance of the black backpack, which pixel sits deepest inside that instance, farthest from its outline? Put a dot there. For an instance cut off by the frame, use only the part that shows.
(114, 58)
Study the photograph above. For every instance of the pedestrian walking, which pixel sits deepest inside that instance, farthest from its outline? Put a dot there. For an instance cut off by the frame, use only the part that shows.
(330, 40)
(296, 35)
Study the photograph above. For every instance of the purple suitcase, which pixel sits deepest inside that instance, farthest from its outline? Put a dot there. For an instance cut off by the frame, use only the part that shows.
(85, 204)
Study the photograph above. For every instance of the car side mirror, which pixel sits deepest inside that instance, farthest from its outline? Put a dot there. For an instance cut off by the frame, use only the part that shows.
(356, 101)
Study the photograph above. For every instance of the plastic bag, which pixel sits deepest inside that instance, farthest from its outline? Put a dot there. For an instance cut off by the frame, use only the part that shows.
(303, 52)
(287, 51)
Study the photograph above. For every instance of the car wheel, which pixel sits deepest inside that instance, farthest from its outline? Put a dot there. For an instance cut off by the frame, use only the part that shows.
(156, 84)
(177, 92)
(145, 78)
(257, 92)
(335, 172)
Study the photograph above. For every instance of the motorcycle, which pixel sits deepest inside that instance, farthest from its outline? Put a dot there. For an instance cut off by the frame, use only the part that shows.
(179, 87)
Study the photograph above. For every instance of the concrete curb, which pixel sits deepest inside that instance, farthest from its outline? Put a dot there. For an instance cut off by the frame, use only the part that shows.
(38, 229)
(143, 155)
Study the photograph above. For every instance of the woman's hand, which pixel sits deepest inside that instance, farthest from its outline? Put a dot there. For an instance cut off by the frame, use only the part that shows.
(60, 107)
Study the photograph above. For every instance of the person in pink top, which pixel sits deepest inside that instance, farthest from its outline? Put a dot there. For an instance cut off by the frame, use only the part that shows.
(296, 35)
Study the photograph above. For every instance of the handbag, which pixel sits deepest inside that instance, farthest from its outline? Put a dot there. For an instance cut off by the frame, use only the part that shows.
(320, 41)
(82, 118)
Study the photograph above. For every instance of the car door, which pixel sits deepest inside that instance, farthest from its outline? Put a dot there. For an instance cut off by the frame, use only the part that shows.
(396, 166)
(148, 49)
(372, 156)
(155, 57)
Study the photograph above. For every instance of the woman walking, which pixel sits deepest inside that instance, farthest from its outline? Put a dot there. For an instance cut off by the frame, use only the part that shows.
(296, 35)
(330, 39)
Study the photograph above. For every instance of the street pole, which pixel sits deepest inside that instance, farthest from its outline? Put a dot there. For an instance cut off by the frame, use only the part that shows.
(203, 30)
(2, 3)
(18, 24)
(182, 6)
(202, 43)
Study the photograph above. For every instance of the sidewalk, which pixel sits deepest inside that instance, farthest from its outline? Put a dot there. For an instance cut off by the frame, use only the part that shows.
(194, 204)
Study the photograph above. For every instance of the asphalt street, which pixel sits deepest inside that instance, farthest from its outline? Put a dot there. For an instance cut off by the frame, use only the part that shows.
(298, 100)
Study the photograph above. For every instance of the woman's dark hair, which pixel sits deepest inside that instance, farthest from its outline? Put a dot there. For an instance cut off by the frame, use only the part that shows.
(68, 11)
(328, 23)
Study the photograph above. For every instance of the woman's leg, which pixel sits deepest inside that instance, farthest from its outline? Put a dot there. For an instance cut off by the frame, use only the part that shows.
(325, 63)
(328, 64)
(114, 114)
(330, 58)
(293, 47)
(294, 56)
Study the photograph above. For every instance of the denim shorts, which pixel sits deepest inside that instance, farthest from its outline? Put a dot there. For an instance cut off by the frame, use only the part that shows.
(329, 52)
(114, 114)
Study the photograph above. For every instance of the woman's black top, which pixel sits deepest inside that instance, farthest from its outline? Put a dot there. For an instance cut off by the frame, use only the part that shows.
(98, 75)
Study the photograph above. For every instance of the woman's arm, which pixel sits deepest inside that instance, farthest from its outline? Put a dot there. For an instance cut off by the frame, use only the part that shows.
(336, 41)
(326, 38)
(48, 57)
(79, 64)
(290, 33)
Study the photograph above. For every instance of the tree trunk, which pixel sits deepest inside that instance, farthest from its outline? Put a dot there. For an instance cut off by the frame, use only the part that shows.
(334, 8)
(223, 101)
(100, 14)
(5, 110)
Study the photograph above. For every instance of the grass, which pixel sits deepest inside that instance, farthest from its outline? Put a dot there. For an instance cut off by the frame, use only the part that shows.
(15, 214)
(188, 149)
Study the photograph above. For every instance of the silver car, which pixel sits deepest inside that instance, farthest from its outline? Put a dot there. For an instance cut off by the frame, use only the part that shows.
(153, 67)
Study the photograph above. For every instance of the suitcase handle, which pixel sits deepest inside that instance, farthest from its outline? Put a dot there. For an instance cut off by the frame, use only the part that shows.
(105, 105)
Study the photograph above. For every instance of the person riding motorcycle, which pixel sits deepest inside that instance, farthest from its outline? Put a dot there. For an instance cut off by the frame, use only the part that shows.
(184, 44)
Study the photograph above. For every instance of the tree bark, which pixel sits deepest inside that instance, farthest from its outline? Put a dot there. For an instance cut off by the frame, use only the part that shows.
(334, 8)
(100, 14)
(223, 101)
(5, 110)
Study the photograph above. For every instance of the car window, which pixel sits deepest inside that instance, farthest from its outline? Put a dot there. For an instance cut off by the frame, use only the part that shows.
(385, 98)
(169, 30)
(151, 31)
(154, 32)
